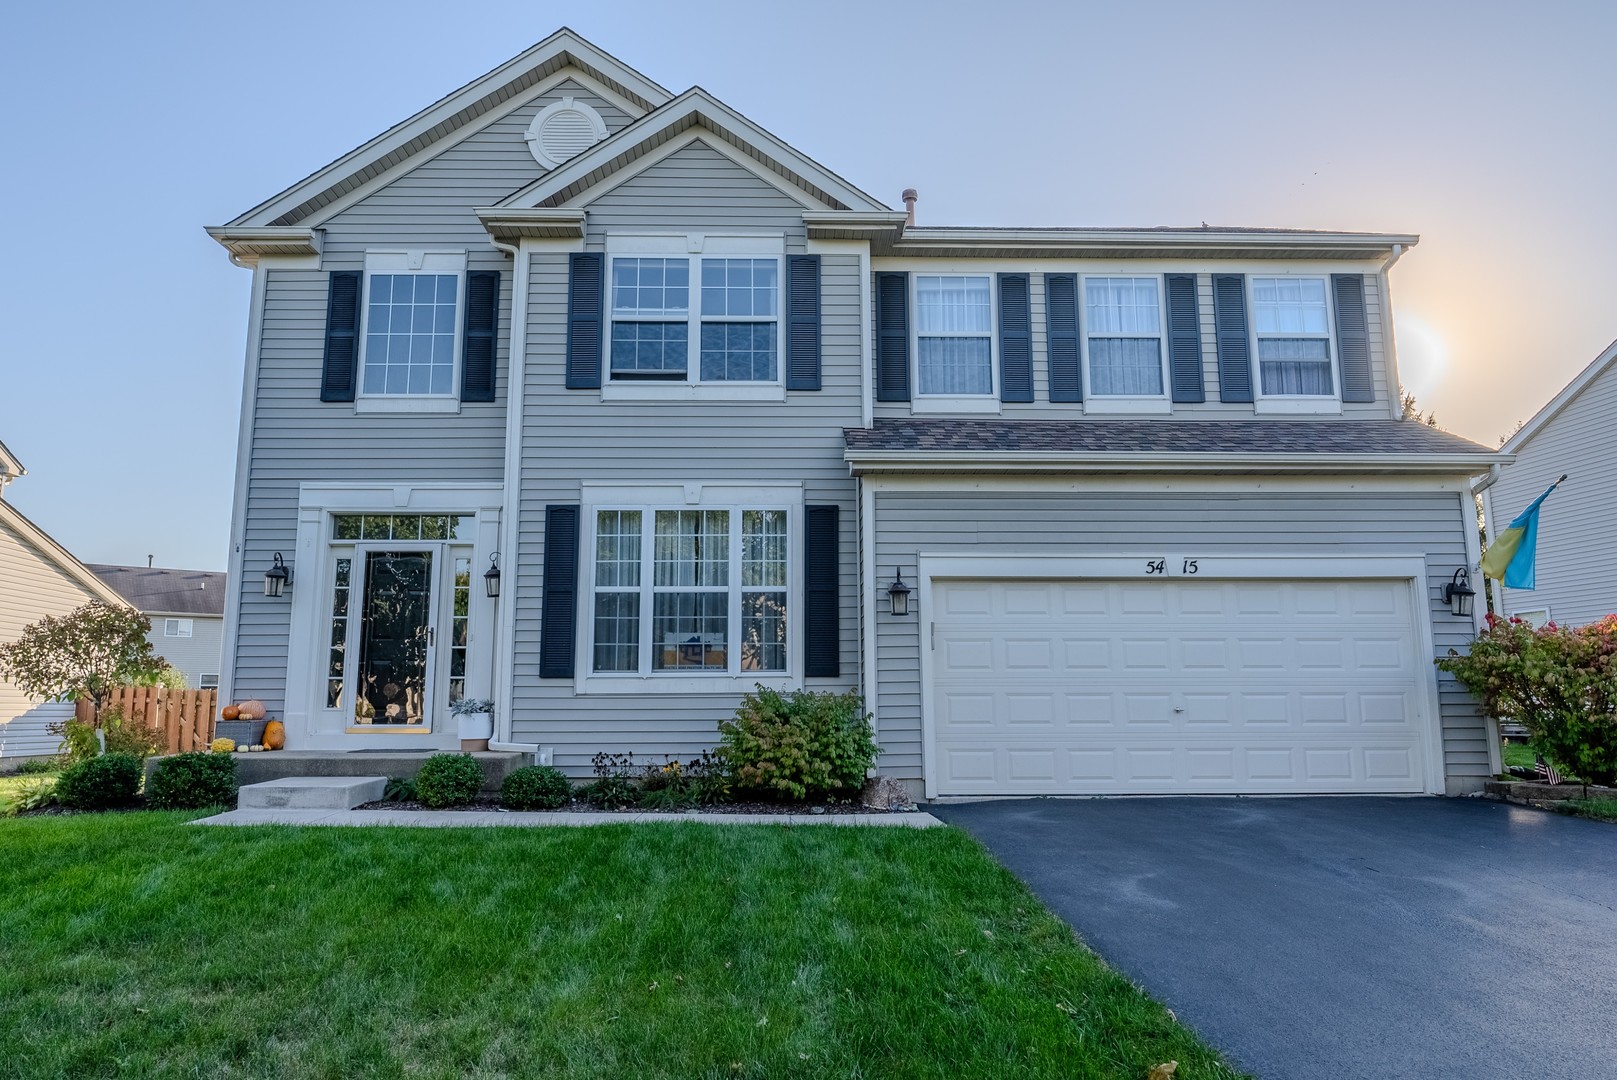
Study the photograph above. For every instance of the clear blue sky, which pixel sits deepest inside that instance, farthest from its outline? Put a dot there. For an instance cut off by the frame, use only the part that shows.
(1486, 127)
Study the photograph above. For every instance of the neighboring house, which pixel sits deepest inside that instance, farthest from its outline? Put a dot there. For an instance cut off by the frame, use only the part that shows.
(1575, 434)
(38, 577)
(187, 610)
(706, 399)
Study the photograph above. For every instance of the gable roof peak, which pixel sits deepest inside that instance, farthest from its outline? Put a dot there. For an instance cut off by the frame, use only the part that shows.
(1556, 405)
(562, 49)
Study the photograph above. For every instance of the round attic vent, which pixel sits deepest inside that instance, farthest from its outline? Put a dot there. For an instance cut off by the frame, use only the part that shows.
(563, 130)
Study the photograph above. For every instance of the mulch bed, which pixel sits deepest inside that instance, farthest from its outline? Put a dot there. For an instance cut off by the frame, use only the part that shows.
(578, 807)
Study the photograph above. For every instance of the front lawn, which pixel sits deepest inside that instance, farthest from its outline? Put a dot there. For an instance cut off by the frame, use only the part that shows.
(132, 945)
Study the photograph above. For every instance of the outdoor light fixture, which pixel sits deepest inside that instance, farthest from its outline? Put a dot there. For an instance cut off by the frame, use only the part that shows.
(491, 576)
(277, 577)
(898, 594)
(1459, 595)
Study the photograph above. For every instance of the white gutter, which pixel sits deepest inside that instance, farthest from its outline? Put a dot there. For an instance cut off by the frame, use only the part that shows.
(1487, 481)
(927, 461)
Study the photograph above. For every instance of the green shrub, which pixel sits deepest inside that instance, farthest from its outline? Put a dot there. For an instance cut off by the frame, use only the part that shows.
(448, 780)
(124, 737)
(804, 745)
(676, 785)
(34, 795)
(79, 742)
(192, 781)
(536, 787)
(614, 787)
(41, 766)
(399, 789)
(1559, 682)
(100, 783)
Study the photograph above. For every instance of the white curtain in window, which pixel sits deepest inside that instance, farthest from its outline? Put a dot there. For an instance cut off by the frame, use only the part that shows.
(1125, 367)
(953, 321)
(1295, 366)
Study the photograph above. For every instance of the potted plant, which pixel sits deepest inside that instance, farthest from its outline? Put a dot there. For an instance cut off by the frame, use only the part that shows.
(476, 719)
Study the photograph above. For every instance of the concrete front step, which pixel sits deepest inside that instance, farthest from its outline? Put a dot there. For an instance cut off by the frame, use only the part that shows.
(311, 793)
(274, 764)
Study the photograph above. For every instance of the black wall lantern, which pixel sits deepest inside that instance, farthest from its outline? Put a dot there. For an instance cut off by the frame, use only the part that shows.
(1459, 595)
(277, 577)
(898, 594)
(491, 576)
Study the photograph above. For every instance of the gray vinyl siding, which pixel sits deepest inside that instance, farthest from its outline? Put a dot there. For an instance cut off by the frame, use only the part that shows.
(1577, 562)
(196, 655)
(572, 437)
(32, 586)
(1335, 525)
(1042, 408)
(297, 439)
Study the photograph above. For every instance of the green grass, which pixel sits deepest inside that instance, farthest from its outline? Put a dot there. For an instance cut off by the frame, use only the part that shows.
(133, 946)
(1599, 809)
(1518, 753)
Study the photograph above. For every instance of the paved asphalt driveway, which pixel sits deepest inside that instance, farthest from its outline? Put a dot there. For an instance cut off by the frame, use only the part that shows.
(1336, 938)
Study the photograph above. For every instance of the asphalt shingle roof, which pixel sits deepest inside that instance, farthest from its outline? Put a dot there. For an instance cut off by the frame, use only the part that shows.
(177, 592)
(1288, 437)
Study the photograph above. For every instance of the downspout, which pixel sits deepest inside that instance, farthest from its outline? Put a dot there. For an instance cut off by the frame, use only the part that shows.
(1496, 589)
(1389, 341)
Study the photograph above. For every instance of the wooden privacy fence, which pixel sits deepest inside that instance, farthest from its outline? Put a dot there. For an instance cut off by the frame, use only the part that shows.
(185, 718)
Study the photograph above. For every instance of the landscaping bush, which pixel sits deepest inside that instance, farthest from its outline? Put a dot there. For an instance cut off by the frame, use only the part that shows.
(399, 789)
(100, 783)
(1558, 682)
(192, 781)
(34, 795)
(448, 780)
(674, 785)
(536, 787)
(804, 745)
(125, 737)
(41, 766)
(614, 787)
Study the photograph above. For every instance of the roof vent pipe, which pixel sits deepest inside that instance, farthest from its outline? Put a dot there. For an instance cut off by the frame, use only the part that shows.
(910, 197)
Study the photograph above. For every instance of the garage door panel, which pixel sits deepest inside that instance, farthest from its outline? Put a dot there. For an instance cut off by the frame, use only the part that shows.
(1280, 687)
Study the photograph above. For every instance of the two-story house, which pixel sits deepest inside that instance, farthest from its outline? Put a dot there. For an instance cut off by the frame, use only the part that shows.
(604, 402)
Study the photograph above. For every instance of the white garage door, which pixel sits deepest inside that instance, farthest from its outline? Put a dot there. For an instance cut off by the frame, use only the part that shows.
(1185, 686)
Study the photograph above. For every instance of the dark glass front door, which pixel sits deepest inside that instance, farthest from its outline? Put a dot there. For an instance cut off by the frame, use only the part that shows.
(396, 643)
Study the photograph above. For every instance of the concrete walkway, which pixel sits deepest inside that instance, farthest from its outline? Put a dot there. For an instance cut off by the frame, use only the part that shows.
(428, 819)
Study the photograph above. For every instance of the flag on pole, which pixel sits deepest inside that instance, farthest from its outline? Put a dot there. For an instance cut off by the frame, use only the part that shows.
(1511, 557)
(1546, 772)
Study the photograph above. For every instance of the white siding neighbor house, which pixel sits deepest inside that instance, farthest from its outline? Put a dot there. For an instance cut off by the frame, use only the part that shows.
(187, 612)
(1575, 434)
(38, 577)
(702, 402)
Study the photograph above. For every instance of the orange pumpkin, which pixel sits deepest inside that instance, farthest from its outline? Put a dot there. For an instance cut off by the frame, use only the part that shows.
(229, 712)
(274, 735)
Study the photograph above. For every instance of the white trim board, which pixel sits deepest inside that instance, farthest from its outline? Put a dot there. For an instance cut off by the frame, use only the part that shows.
(944, 565)
(1558, 403)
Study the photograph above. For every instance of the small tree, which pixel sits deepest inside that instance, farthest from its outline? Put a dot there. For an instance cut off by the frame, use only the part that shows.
(83, 655)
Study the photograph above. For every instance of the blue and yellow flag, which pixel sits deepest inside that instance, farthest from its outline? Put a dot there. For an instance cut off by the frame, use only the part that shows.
(1511, 558)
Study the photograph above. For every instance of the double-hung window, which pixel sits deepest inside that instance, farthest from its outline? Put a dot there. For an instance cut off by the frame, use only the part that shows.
(180, 628)
(724, 310)
(1291, 319)
(411, 327)
(690, 591)
(954, 335)
(1123, 326)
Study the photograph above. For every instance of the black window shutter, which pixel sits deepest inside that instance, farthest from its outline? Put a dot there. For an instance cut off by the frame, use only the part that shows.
(558, 617)
(822, 644)
(803, 322)
(1015, 339)
(1234, 343)
(892, 337)
(477, 352)
(585, 290)
(1353, 337)
(1185, 339)
(1061, 336)
(341, 368)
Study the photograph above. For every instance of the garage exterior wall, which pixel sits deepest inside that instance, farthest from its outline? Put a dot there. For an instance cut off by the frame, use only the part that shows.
(1330, 524)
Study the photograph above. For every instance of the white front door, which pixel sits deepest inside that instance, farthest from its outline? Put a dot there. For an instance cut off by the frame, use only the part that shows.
(1178, 686)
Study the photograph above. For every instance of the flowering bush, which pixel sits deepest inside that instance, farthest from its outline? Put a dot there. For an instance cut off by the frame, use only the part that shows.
(1559, 682)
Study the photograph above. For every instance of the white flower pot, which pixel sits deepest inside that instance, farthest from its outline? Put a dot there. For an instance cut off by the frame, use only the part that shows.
(476, 729)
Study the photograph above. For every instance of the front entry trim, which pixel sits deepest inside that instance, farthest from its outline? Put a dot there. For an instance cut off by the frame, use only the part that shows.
(935, 568)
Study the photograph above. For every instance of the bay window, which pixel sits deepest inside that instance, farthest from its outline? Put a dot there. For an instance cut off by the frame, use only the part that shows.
(1292, 323)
